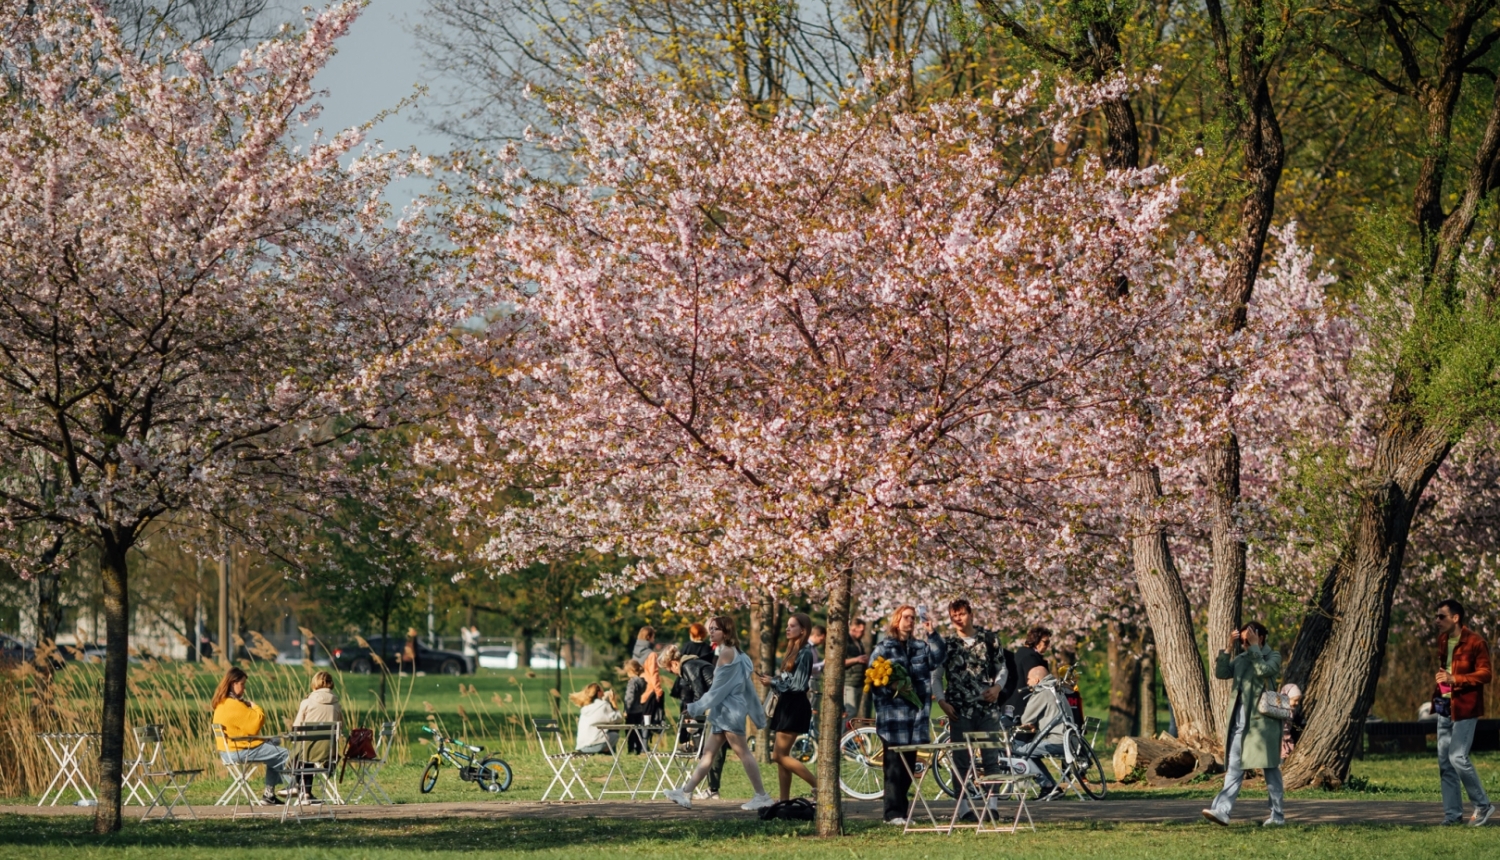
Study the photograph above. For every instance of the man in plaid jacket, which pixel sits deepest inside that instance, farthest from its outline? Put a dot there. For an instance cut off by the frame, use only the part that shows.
(897, 721)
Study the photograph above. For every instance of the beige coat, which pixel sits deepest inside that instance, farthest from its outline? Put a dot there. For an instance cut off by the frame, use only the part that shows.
(320, 706)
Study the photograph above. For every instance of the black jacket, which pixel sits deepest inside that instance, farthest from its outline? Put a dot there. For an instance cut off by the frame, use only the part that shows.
(1026, 658)
(692, 684)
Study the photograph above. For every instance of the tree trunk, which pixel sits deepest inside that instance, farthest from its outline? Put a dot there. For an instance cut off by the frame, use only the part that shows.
(830, 821)
(1159, 761)
(48, 607)
(1338, 654)
(1171, 616)
(523, 651)
(1226, 591)
(115, 578)
(1148, 684)
(1124, 681)
(763, 655)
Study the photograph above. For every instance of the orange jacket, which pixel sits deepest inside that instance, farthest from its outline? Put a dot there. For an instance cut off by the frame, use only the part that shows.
(1471, 671)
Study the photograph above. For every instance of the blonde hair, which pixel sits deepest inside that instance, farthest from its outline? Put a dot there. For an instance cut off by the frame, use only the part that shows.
(669, 655)
(322, 681)
(587, 695)
(633, 667)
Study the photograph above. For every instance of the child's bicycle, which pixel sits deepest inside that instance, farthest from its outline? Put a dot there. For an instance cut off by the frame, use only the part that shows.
(492, 773)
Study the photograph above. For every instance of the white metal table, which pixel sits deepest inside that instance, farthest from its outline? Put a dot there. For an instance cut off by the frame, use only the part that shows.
(617, 765)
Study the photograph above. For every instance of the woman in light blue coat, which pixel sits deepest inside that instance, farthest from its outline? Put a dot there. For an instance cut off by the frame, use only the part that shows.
(731, 700)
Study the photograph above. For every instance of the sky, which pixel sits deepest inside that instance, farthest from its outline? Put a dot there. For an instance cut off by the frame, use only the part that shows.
(379, 63)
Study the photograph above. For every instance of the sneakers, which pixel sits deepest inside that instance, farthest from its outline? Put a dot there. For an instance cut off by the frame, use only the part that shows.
(1053, 793)
(1274, 821)
(759, 801)
(898, 821)
(269, 798)
(308, 800)
(1215, 818)
(1482, 814)
(679, 797)
(702, 793)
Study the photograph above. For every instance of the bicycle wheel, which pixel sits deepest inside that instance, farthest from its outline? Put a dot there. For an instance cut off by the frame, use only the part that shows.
(494, 775)
(429, 776)
(862, 770)
(1088, 772)
(804, 749)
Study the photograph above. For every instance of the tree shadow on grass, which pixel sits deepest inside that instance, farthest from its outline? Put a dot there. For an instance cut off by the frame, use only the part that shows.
(223, 837)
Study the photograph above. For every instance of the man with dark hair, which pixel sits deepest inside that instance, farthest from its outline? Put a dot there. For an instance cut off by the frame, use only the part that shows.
(978, 674)
(855, 663)
(1458, 700)
(1028, 657)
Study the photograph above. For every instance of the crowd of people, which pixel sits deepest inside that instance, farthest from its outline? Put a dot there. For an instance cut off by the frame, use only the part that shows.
(981, 686)
(977, 683)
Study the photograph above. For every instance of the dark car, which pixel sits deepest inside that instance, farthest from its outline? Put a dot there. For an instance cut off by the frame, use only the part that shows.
(358, 659)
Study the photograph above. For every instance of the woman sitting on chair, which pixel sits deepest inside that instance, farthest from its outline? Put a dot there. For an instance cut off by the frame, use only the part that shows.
(596, 707)
(320, 706)
(242, 718)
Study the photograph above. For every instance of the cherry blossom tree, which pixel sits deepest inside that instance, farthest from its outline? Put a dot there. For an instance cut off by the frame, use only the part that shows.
(193, 314)
(875, 347)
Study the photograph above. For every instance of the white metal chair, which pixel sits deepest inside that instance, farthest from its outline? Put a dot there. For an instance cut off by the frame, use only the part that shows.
(165, 786)
(563, 762)
(311, 762)
(1014, 781)
(677, 762)
(147, 751)
(239, 789)
(367, 770)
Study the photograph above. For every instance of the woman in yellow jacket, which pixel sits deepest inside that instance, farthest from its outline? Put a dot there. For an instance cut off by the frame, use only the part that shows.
(242, 718)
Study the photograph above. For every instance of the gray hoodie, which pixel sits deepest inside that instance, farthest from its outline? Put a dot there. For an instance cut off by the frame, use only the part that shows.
(731, 698)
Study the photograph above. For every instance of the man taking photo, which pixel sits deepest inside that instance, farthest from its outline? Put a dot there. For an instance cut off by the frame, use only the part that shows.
(1464, 669)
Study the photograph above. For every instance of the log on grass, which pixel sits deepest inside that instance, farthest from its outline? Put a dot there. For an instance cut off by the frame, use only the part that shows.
(1160, 761)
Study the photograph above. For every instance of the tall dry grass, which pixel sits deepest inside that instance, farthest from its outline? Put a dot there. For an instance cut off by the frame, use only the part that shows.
(174, 695)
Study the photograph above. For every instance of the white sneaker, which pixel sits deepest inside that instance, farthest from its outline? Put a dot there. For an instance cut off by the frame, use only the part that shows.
(1214, 817)
(759, 801)
(702, 793)
(1274, 821)
(899, 822)
(679, 797)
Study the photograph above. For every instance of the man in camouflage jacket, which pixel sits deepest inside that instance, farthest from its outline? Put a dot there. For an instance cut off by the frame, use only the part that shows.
(978, 674)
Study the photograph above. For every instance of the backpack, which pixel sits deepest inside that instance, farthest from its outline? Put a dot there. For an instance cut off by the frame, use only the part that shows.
(796, 809)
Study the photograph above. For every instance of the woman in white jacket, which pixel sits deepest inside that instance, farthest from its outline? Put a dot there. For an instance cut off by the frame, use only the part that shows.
(596, 707)
(320, 706)
(730, 701)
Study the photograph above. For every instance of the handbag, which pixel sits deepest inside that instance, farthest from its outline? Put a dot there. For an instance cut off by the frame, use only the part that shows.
(773, 698)
(361, 747)
(1442, 706)
(1277, 706)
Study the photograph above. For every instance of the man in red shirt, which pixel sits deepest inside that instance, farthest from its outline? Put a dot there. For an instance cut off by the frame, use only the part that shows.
(1464, 661)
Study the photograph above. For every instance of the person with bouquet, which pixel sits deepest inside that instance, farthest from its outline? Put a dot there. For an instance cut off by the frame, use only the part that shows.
(900, 678)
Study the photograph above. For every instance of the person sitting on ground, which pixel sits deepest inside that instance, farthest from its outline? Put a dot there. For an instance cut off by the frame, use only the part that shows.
(242, 720)
(1046, 718)
(320, 706)
(596, 707)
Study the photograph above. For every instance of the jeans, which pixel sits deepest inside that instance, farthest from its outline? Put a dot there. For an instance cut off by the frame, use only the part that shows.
(1036, 753)
(595, 749)
(897, 782)
(1234, 773)
(274, 758)
(852, 702)
(960, 727)
(1455, 739)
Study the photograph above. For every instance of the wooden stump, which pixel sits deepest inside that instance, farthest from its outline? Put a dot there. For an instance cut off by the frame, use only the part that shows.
(1160, 761)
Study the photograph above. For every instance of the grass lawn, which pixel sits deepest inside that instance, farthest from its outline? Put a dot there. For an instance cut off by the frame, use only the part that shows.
(43, 839)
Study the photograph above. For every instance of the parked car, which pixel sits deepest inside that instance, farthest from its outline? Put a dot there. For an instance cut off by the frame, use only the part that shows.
(355, 658)
(14, 651)
(505, 657)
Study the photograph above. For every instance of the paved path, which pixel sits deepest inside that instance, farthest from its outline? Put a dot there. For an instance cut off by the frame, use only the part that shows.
(1250, 811)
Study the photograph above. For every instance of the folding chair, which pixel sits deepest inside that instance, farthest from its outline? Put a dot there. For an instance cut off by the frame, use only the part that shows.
(1014, 781)
(678, 762)
(162, 783)
(367, 770)
(148, 749)
(302, 738)
(239, 774)
(565, 773)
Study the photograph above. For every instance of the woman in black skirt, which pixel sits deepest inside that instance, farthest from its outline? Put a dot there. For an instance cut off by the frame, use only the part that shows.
(793, 714)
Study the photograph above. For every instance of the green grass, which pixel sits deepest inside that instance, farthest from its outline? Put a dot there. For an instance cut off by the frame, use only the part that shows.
(44, 839)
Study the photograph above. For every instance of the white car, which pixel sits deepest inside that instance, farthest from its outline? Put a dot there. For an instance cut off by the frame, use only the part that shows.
(505, 657)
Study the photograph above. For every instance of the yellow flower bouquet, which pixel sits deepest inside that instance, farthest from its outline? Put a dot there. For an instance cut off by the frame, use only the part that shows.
(884, 673)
